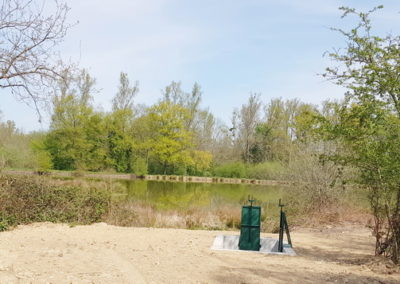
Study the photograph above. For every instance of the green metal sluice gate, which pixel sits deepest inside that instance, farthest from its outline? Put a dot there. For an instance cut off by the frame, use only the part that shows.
(251, 225)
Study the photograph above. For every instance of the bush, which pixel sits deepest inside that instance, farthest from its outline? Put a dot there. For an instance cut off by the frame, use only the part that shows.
(267, 170)
(231, 170)
(24, 200)
(140, 167)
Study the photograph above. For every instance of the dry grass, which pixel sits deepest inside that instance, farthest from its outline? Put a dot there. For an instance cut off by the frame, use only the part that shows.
(134, 213)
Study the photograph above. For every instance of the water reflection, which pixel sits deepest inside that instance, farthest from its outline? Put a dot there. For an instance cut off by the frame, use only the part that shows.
(179, 195)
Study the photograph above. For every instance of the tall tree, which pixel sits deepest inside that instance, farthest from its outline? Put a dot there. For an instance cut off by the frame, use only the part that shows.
(169, 141)
(120, 141)
(249, 118)
(76, 139)
(369, 122)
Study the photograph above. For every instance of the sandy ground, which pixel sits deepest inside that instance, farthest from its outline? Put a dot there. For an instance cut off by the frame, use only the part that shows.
(56, 253)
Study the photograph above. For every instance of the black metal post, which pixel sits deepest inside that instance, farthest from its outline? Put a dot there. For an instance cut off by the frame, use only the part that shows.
(281, 225)
(287, 230)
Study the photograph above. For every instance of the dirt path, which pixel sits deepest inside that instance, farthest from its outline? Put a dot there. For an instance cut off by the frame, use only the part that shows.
(55, 253)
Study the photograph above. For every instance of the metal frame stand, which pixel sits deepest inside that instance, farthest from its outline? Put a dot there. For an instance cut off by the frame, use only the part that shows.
(283, 226)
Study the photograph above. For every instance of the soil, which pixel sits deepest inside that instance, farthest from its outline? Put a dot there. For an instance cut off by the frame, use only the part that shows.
(100, 253)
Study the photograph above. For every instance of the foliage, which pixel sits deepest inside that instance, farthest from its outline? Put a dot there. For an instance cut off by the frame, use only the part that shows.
(16, 150)
(169, 141)
(266, 170)
(120, 144)
(201, 163)
(42, 156)
(231, 170)
(76, 139)
(369, 123)
(24, 200)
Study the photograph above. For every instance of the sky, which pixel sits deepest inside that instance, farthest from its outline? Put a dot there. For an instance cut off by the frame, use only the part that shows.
(230, 47)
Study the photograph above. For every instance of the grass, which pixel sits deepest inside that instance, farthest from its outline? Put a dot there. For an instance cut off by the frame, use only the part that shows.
(139, 214)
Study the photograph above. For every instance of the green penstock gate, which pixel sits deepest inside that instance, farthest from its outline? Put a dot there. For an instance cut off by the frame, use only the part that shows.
(250, 227)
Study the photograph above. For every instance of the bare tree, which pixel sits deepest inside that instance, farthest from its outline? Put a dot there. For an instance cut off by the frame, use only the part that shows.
(249, 118)
(29, 32)
(85, 84)
(124, 98)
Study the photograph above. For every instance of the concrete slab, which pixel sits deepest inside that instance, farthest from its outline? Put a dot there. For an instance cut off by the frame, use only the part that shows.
(268, 245)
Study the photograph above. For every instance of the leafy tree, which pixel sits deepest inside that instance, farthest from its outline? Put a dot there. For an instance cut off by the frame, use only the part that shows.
(42, 156)
(369, 122)
(201, 163)
(76, 139)
(304, 122)
(120, 143)
(170, 141)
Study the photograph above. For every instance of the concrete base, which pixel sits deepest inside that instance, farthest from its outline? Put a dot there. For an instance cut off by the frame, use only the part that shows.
(268, 245)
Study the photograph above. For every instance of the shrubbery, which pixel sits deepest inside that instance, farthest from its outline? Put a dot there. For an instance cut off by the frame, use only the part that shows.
(24, 200)
(267, 170)
(231, 170)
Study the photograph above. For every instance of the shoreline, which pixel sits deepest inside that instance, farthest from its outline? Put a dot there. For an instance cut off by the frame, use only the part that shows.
(171, 178)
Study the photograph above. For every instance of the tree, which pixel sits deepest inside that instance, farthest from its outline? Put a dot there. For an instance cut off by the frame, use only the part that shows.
(77, 135)
(124, 98)
(28, 36)
(249, 118)
(304, 122)
(120, 142)
(191, 101)
(170, 141)
(204, 130)
(369, 122)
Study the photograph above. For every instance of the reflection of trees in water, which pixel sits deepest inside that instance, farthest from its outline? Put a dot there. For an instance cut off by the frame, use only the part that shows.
(186, 196)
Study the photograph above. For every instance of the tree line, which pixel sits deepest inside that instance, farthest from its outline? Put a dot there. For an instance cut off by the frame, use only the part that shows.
(176, 135)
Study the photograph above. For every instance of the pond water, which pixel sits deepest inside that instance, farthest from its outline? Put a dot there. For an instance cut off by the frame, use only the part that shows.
(164, 195)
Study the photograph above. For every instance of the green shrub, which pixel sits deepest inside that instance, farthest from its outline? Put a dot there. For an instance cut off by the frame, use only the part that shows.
(231, 170)
(140, 167)
(267, 170)
(25, 200)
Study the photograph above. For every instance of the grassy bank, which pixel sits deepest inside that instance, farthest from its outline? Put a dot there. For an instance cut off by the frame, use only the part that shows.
(27, 199)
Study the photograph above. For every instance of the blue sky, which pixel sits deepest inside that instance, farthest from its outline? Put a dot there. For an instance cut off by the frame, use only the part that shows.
(231, 48)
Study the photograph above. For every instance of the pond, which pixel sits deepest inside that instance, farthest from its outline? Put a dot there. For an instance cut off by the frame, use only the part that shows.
(208, 205)
(165, 195)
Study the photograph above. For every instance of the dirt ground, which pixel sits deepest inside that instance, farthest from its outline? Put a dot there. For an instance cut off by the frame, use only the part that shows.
(57, 253)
